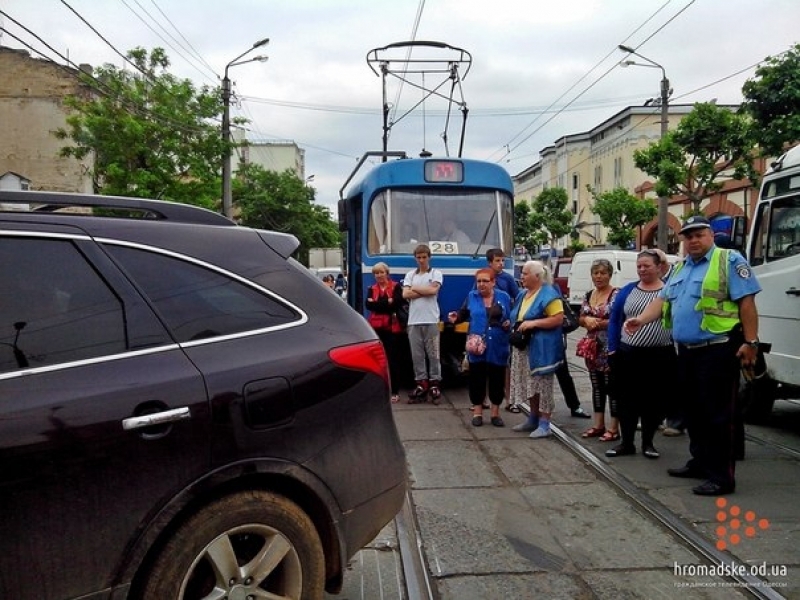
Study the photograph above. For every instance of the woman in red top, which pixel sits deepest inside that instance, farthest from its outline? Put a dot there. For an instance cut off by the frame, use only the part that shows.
(384, 299)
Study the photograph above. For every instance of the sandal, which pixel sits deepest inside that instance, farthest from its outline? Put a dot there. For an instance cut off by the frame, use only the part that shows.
(610, 436)
(513, 408)
(594, 432)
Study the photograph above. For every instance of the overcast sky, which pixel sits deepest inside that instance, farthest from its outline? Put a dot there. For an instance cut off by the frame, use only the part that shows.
(540, 69)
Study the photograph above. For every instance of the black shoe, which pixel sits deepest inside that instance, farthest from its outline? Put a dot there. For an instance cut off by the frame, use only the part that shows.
(709, 488)
(497, 422)
(580, 413)
(477, 421)
(686, 472)
(650, 452)
(620, 450)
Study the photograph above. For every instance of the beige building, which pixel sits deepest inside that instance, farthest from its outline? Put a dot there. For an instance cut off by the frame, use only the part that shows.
(275, 155)
(32, 91)
(603, 159)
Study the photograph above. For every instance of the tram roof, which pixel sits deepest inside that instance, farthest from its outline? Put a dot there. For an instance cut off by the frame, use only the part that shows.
(409, 172)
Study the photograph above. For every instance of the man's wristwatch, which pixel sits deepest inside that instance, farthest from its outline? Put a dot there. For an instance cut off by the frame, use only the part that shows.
(752, 343)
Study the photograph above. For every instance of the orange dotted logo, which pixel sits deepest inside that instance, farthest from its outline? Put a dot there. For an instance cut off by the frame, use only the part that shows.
(734, 526)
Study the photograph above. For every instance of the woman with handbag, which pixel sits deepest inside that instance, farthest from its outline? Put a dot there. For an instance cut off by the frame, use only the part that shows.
(538, 315)
(384, 301)
(488, 311)
(594, 316)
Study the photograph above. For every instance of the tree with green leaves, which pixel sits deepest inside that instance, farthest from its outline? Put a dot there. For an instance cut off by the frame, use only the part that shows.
(710, 144)
(550, 215)
(526, 233)
(772, 100)
(283, 202)
(622, 212)
(151, 134)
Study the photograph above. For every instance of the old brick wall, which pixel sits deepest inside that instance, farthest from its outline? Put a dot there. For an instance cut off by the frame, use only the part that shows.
(31, 109)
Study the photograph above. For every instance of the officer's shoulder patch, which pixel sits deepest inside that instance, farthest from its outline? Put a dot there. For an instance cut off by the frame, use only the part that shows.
(743, 270)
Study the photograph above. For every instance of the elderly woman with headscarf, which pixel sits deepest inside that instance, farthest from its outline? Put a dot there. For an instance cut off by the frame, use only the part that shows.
(538, 314)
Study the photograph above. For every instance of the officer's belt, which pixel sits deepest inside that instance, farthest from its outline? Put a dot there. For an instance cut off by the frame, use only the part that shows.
(704, 344)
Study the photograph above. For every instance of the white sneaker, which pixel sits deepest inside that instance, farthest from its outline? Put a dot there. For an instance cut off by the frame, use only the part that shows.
(540, 433)
(525, 426)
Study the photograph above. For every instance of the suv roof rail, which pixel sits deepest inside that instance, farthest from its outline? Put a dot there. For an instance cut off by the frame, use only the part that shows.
(151, 209)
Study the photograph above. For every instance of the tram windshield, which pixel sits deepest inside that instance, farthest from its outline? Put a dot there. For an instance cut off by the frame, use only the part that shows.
(449, 221)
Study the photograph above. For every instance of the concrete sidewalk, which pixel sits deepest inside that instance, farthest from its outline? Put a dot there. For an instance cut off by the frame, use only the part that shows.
(504, 516)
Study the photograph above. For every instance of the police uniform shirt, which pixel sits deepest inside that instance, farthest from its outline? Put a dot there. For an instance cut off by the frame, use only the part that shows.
(683, 292)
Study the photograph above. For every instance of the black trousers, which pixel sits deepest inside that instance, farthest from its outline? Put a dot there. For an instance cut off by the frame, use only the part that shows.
(567, 385)
(482, 374)
(709, 379)
(642, 381)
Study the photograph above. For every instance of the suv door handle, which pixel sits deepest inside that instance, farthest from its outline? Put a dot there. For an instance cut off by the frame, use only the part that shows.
(159, 418)
(793, 292)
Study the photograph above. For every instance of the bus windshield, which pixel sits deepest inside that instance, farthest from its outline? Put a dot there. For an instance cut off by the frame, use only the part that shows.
(460, 221)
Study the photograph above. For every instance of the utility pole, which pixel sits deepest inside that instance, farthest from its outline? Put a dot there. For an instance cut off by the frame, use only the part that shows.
(663, 201)
(227, 197)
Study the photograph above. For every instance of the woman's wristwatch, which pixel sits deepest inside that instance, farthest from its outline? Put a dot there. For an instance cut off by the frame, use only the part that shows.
(752, 343)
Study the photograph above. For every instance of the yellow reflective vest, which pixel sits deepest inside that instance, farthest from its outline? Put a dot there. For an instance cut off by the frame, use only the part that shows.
(720, 313)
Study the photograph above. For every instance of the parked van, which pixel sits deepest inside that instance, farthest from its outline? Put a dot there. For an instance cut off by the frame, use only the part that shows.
(773, 250)
(580, 276)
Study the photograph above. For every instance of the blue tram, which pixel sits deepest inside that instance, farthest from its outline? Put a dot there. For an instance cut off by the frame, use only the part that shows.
(459, 207)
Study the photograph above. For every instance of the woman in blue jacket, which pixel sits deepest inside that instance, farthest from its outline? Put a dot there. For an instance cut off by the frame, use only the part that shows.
(488, 311)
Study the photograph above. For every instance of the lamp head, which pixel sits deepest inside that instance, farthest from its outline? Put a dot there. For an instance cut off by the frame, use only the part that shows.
(260, 43)
(626, 49)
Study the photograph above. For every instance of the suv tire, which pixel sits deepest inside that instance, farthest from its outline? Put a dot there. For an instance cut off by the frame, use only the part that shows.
(243, 545)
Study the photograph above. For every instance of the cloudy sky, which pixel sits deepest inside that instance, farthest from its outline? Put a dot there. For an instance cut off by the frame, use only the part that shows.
(540, 69)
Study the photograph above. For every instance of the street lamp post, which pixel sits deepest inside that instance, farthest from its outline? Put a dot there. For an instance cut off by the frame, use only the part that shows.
(227, 198)
(663, 201)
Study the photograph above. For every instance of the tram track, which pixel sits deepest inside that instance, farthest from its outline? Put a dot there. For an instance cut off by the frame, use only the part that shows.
(755, 586)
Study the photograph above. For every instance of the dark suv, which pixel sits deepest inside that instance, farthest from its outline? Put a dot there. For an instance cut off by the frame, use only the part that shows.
(185, 411)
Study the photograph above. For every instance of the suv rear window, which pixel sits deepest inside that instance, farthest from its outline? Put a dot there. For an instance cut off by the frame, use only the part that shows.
(196, 302)
(54, 307)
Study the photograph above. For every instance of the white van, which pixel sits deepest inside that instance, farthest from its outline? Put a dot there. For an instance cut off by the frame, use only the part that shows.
(773, 250)
(580, 276)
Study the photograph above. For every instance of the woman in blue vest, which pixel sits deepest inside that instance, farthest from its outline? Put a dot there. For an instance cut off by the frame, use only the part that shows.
(488, 311)
(537, 312)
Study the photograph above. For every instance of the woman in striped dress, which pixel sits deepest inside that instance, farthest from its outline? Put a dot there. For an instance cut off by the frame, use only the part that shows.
(638, 361)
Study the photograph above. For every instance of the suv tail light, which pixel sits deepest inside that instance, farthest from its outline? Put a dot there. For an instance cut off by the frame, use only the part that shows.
(365, 356)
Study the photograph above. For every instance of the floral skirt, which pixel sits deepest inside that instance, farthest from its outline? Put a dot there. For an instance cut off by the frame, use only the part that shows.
(524, 386)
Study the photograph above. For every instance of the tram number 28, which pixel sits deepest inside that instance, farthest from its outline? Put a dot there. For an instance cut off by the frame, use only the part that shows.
(444, 247)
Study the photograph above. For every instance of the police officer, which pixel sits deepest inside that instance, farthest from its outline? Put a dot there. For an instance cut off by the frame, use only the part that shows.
(709, 303)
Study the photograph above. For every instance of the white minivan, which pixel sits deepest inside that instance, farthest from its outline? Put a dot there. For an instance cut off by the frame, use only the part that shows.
(580, 276)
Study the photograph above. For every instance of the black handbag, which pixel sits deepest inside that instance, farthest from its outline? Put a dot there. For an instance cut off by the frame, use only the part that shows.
(570, 322)
(519, 339)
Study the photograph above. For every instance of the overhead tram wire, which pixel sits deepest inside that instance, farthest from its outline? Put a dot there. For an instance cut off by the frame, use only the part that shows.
(414, 29)
(189, 61)
(101, 87)
(109, 44)
(183, 37)
(509, 149)
(655, 111)
(507, 145)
